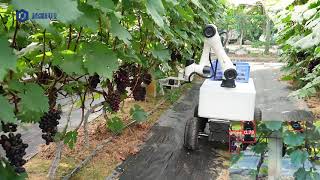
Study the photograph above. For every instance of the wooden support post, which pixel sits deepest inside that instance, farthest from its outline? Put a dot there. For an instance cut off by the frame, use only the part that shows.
(274, 156)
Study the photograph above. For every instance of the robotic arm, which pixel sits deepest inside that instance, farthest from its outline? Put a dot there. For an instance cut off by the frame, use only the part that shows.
(212, 42)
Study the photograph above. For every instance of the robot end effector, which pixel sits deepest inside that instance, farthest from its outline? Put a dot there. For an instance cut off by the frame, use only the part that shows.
(212, 42)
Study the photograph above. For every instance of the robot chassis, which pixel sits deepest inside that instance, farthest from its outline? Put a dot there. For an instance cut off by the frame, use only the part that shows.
(220, 102)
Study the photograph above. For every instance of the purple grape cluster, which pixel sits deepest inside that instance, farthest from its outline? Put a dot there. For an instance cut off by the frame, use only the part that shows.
(147, 78)
(48, 124)
(122, 79)
(176, 55)
(94, 81)
(138, 91)
(114, 100)
(313, 64)
(43, 78)
(15, 150)
(8, 127)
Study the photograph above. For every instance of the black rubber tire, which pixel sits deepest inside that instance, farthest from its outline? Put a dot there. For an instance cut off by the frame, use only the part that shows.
(191, 132)
(202, 121)
(195, 114)
(257, 114)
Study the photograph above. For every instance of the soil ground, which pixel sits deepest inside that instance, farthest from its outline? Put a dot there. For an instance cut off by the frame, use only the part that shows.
(314, 105)
(128, 143)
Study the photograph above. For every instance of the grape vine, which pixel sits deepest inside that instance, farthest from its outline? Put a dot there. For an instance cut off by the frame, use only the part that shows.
(91, 43)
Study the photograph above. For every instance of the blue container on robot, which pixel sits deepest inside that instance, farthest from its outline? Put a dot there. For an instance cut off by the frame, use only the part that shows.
(219, 74)
(243, 70)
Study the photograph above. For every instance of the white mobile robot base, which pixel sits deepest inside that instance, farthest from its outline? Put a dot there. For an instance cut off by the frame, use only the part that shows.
(220, 102)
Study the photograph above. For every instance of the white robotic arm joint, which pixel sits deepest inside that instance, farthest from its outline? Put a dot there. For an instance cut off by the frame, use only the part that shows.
(212, 42)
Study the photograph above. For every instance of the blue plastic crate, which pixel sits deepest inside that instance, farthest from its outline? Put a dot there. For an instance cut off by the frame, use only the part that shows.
(243, 70)
(219, 73)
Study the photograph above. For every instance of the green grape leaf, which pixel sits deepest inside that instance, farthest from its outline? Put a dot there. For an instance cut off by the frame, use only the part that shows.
(70, 63)
(138, 114)
(273, 125)
(312, 176)
(34, 98)
(100, 59)
(27, 116)
(300, 174)
(198, 4)
(9, 22)
(89, 18)
(160, 52)
(287, 78)
(7, 59)
(298, 157)
(317, 52)
(105, 6)
(293, 139)
(173, 2)
(156, 10)
(260, 147)
(119, 31)
(6, 111)
(115, 125)
(66, 10)
(184, 14)
(7, 171)
(71, 138)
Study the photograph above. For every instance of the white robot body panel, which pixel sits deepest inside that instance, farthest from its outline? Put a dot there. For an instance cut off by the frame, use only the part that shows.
(234, 104)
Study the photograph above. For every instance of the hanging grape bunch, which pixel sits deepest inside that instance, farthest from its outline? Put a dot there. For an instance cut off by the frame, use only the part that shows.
(15, 150)
(48, 124)
(176, 56)
(138, 92)
(94, 81)
(43, 77)
(313, 64)
(147, 78)
(113, 97)
(121, 79)
(114, 100)
(8, 127)
(132, 69)
(138, 86)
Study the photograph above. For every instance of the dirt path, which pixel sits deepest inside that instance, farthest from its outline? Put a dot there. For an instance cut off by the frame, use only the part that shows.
(163, 156)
